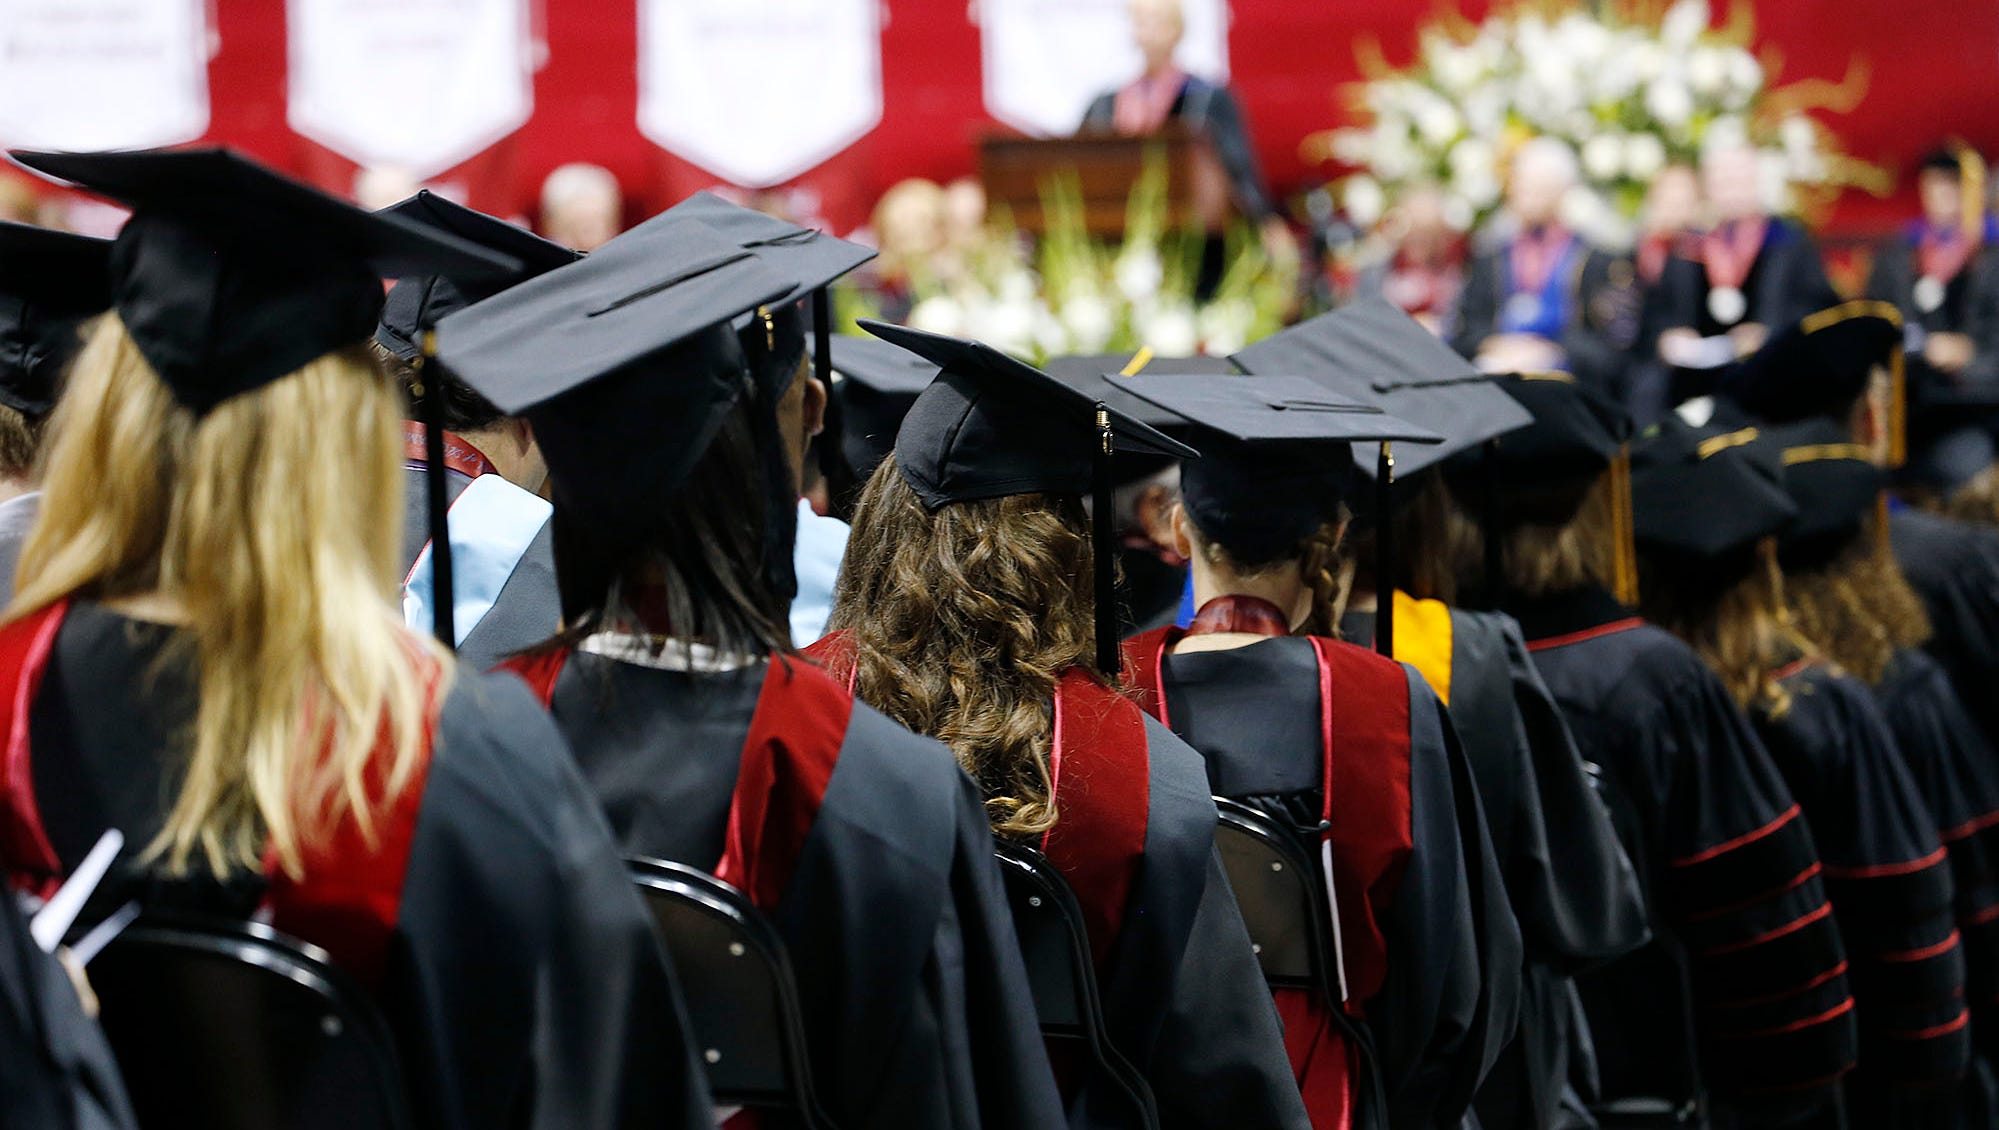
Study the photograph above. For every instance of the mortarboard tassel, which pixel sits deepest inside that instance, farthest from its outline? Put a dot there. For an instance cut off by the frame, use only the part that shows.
(1384, 553)
(1898, 409)
(1490, 532)
(1101, 503)
(430, 405)
(1623, 555)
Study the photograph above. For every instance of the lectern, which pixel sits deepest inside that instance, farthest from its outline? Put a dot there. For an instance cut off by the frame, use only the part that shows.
(1016, 169)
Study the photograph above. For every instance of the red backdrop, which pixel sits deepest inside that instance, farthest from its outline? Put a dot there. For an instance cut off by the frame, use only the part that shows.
(1931, 64)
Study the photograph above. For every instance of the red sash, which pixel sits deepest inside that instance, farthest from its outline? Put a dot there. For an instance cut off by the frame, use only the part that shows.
(796, 732)
(348, 898)
(1364, 715)
(459, 455)
(1100, 769)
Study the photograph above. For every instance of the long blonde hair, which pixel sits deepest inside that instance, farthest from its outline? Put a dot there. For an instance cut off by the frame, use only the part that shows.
(963, 620)
(1858, 607)
(274, 523)
(1742, 629)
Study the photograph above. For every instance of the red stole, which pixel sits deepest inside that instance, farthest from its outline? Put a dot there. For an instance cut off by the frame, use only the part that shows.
(348, 897)
(1364, 719)
(1100, 769)
(459, 455)
(796, 732)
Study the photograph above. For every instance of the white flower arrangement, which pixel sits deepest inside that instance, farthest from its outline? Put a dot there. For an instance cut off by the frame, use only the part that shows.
(1628, 92)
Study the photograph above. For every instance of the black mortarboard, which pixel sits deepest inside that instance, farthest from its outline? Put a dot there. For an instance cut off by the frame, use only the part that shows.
(875, 383)
(1702, 499)
(626, 365)
(1372, 352)
(1574, 431)
(1277, 454)
(1819, 365)
(229, 276)
(1834, 484)
(419, 302)
(991, 426)
(1092, 375)
(50, 283)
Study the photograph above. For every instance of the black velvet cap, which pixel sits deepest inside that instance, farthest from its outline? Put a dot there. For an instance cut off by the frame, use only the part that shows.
(992, 426)
(1834, 484)
(809, 259)
(229, 275)
(1705, 497)
(1371, 352)
(424, 300)
(1818, 366)
(1277, 455)
(875, 383)
(50, 284)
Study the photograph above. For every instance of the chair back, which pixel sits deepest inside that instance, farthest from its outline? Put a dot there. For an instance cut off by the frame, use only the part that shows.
(1285, 903)
(1062, 972)
(234, 1026)
(738, 986)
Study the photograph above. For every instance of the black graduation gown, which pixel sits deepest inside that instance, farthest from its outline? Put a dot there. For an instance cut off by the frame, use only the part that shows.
(1954, 568)
(1958, 773)
(56, 1072)
(1889, 882)
(1741, 999)
(1433, 952)
(1970, 307)
(1786, 282)
(916, 1002)
(1604, 307)
(528, 609)
(519, 974)
(1213, 112)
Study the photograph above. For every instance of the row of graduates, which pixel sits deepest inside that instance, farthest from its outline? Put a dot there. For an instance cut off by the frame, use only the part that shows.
(1659, 325)
(1788, 874)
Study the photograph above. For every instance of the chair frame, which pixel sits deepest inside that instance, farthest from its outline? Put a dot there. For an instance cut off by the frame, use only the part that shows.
(1020, 863)
(665, 879)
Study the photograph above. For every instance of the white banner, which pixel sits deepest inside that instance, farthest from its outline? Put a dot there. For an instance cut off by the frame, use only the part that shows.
(1046, 59)
(102, 74)
(415, 85)
(758, 91)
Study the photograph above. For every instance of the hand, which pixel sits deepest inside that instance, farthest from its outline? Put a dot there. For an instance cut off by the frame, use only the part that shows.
(1748, 338)
(1949, 352)
(1678, 344)
(1518, 353)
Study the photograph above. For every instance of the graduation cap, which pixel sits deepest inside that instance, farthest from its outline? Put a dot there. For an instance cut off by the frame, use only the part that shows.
(1373, 353)
(1703, 499)
(1281, 457)
(229, 276)
(50, 284)
(1834, 484)
(875, 383)
(421, 301)
(991, 426)
(626, 364)
(1820, 366)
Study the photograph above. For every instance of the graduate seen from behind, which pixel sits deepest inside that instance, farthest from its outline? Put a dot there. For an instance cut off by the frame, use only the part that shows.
(1349, 752)
(208, 659)
(673, 440)
(1707, 506)
(1738, 1013)
(966, 611)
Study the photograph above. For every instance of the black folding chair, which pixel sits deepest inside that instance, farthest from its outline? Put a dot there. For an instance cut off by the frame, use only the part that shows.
(739, 989)
(234, 1026)
(1288, 908)
(1061, 972)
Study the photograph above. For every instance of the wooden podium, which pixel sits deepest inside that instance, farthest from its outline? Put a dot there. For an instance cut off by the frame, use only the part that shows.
(1015, 170)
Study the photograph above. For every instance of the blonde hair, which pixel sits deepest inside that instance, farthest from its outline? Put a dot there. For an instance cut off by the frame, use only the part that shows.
(1742, 630)
(274, 522)
(1859, 607)
(963, 621)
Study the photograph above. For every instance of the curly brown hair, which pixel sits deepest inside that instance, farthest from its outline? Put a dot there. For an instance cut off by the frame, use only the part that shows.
(963, 619)
(1858, 608)
(1742, 630)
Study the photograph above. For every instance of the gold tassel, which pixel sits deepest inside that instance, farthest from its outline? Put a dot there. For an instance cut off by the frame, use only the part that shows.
(1881, 547)
(1623, 548)
(1971, 179)
(1898, 409)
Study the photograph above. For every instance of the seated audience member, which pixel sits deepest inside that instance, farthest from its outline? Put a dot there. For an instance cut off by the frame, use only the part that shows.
(966, 611)
(1543, 298)
(582, 206)
(1750, 273)
(1349, 752)
(673, 441)
(51, 285)
(502, 562)
(1721, 1013)
(232, 688)
(1424, 269)
(1667, 221)
(1943, 275)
